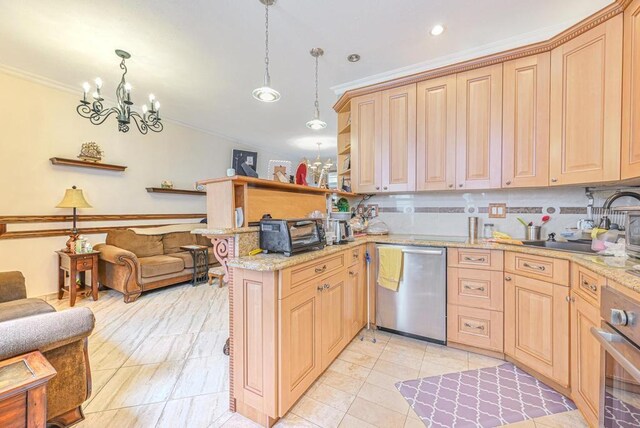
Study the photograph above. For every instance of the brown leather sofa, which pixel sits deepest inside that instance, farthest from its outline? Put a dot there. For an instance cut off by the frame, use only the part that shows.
(133, 263)
(32, 324)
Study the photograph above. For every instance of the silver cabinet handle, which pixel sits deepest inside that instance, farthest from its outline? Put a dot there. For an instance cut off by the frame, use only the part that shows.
(608, 341)
(320, 288)
(385, 188)
(450, 186)
(426, 252)
(568, 299)
(468, 287)
(326, 286)
(352, 273)
(471, 259)
(507, 182)
(507, 278)
(554, 180)
(477, 327)
(377, 187)
(592, 287)
(530, 266)
(460, 185)
(322, 269)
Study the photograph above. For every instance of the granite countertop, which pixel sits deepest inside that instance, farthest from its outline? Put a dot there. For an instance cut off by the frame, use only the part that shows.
(595, 263)
(225, 231)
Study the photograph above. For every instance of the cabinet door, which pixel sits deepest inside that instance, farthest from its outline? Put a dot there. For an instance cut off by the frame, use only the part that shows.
(585, 358)
(436, 134)
(586, 99)
(536, 323)
(300, 344)
(399, 139)
(525, 122)
(355, 300)
(334, 320)
(631, 93)
(366, 143)
(479, 133)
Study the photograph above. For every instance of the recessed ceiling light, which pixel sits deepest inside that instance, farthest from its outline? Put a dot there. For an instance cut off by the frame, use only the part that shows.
(437, 30)
(353, 57)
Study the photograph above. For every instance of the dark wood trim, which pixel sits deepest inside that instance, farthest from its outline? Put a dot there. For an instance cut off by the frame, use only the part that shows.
(97, 217)
(177, 191)
(586, 24)
(86, 164)
(272, 184)
(64, 232)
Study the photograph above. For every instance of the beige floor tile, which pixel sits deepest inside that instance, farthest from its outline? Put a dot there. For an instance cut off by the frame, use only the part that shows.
(406, 351)
(216, 322)
(111, 354)
(391, 400)
(352, 422)
(203, 376)
(318, 413)
(383, 380)
(349, 369)
(195, 412)
(222, 419)
(99, 379)
(567, 419)
(375, 414)
(181, 323)
(439, 351)
(291, 420)
(401, 359)
(396, 370)
(357, 358)
(523, 424)
(331, 396)
(137, 385)
(238, 421)
(209, 343)
(411, 414)
(408, 342)
(442, 367)
(159, 349)
(413, 423)
(366, 347)
(342, 382)
(127, 417)
(477, 361)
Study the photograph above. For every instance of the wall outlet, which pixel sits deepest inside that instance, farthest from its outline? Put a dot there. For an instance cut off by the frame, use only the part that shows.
(373, 210)
(497, 210)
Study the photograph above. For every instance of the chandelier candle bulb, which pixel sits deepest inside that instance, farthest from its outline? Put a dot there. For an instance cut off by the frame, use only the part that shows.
(85, 89)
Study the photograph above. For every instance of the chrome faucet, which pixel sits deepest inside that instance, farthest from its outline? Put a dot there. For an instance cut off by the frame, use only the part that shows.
(605, 223)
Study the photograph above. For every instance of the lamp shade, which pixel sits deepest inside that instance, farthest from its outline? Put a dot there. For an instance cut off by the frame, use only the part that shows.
(73, 198)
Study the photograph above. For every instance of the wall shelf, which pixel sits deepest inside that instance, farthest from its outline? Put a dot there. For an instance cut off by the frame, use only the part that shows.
(176, 191)
(86, 164)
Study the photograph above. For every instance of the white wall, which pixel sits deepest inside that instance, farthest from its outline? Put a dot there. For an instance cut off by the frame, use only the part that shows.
(39, 121)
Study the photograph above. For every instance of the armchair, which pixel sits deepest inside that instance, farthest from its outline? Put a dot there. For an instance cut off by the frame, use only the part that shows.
(32, 324)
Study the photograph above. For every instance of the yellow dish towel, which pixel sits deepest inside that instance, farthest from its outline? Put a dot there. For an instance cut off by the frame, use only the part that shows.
(390, 269)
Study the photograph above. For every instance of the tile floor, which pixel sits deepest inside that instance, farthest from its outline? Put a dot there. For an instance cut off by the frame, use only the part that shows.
(158, 362)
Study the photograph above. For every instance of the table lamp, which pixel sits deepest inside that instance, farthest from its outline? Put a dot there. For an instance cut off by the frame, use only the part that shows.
(73, 198)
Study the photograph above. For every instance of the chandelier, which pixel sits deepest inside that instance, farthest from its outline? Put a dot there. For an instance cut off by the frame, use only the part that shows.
(266, 93)
(317, 168)
(97, 114)
(316, 123)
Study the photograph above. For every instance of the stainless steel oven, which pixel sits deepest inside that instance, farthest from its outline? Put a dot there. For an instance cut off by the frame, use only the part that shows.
(632, 231)
(619, 337)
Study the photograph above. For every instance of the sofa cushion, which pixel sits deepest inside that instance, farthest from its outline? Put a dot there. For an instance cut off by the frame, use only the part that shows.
(140, 245)
(174, 240)
(160, 265)
(185, 256)
(23, 308)
(203, 240)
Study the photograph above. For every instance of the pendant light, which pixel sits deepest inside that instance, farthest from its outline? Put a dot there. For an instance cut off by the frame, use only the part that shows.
(266, 93)
(316, 123)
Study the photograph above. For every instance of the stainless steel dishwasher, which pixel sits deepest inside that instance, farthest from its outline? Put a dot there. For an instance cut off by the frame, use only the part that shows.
(419, 307)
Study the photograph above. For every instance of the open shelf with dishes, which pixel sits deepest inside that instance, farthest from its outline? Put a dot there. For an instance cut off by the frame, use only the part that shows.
(344, 147)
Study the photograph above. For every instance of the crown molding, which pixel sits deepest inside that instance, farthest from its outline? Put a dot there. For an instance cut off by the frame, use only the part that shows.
(615, 8)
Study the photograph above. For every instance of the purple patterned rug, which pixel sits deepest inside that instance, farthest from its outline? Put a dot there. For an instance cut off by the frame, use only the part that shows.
(618, 413)
(484, 398)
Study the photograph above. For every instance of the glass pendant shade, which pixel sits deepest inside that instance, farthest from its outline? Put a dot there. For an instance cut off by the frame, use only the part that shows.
(266, 94)
(316, 124)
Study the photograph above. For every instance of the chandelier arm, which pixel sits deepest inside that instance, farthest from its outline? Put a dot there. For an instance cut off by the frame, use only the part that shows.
(141, 124)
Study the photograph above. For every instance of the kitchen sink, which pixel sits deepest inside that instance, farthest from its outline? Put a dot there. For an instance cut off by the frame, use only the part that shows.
(581, 246)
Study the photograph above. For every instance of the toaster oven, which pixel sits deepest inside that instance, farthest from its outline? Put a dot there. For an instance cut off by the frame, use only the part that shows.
(291, 236)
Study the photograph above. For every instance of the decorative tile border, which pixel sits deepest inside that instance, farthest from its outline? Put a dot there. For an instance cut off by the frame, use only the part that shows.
(485, 210)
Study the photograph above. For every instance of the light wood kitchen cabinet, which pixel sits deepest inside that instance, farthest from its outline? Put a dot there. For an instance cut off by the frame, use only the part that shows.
(301, 350)
(630, 158)
(399, 139)
(585, 357)
(586, 99)
(525, 121)
(436, 134)
(366, 143)
(356, 299)
(536, 323)
(334, 309)
(479, 129)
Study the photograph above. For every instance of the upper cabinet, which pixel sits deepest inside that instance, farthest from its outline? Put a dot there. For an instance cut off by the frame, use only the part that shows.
(479, 128)
(630, 161)
(366, 143)
(399, 139)
(586, 99)
(436, 134)
(525, 122)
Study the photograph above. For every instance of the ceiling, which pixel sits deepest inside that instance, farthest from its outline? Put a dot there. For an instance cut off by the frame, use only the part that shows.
(203, 58)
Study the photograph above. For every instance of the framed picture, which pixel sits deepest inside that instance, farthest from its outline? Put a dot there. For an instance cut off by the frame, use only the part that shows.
(346, 164)
(279, 170)
(245, 162)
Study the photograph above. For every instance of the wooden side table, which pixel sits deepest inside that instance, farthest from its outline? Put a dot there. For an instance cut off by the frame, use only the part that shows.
(23, 390)
(200, 256)
(71, 264)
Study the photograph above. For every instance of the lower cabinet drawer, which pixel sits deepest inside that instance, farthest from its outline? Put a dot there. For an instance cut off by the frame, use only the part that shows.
(586, 283)
(480, 328)
(84, 264)
(475, 288)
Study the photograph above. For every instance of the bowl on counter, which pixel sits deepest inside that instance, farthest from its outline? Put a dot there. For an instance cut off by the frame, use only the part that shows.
(341, 216)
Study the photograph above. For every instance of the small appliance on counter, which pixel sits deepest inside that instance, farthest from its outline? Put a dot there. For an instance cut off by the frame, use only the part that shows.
(291, 236)
(341, 229)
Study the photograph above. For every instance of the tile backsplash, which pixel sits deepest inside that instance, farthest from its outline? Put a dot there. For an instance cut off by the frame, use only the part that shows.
(446, 213)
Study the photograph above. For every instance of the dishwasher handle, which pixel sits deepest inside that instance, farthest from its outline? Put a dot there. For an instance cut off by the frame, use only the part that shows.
(425, 252)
